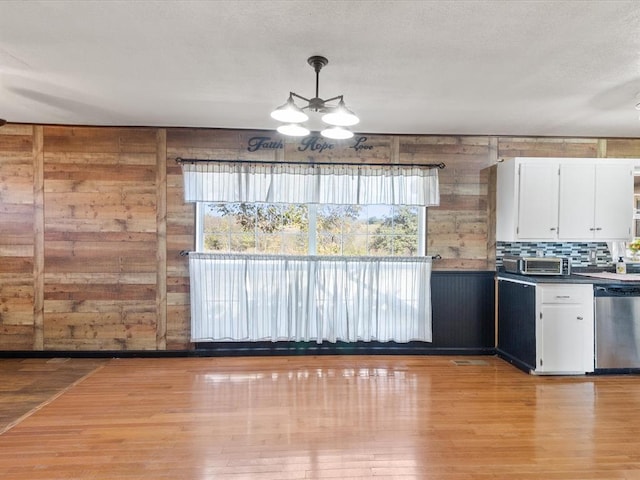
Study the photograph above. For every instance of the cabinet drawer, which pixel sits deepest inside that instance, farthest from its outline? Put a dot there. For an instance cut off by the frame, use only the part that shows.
(569, 294)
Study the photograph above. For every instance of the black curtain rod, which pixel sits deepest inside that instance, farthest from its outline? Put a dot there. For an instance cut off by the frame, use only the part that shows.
(185, 253)
(276, 162)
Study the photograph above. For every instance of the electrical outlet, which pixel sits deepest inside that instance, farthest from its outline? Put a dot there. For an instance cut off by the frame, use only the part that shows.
(593, 256)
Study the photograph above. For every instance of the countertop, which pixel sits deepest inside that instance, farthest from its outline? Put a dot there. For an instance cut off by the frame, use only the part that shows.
(573, 278)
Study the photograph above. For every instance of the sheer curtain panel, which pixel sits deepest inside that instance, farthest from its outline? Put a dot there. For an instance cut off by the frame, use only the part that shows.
(325, 184)
(272, 297)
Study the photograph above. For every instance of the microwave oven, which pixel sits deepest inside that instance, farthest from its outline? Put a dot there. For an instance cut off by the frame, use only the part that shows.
(537, 265)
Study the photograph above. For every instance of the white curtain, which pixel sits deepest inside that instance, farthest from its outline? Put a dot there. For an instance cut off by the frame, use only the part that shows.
(325, 184)
(271, 297)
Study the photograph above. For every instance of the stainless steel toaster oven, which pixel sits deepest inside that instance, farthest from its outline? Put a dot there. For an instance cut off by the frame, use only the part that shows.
(537, 265)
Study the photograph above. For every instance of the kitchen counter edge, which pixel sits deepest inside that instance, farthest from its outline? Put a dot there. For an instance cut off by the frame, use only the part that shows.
(561, 279)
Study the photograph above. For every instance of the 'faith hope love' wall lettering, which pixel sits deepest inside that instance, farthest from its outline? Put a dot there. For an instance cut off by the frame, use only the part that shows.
(307, 144)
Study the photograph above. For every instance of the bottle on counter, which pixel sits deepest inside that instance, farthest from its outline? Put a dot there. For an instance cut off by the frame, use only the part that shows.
(621, 267)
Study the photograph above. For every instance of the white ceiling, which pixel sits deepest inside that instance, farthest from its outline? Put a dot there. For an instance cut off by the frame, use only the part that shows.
(559, 67)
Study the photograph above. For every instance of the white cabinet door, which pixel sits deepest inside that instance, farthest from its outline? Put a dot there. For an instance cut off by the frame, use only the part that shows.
(613, 202)
(577, 201)
(596, 201)
(562, 342)
(564, 330)
(538, 201)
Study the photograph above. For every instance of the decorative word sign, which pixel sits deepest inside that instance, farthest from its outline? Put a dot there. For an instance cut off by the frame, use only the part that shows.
(263, 143)
(308, 144)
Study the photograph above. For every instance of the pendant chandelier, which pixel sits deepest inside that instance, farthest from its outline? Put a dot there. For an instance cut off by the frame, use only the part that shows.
(337, 116)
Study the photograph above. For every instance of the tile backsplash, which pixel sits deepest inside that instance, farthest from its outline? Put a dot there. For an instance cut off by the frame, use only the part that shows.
(577, 252)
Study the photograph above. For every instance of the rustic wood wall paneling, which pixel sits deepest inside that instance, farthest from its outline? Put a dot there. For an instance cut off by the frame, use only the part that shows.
(492, 172)
(457, 229)
(215, 144)
(38, 237)
(16, 237)
(394, 155)
(100, 238)
(623, 148)
(491, 234)
(186, 143)
(602, 148)
(161, 228)
(93, 221)
(547, 147)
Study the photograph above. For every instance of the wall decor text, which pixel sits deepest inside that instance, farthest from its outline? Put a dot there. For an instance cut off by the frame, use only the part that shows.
(308, 144)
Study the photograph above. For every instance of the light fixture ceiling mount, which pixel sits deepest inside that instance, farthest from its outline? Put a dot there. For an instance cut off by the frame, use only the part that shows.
(336, 116)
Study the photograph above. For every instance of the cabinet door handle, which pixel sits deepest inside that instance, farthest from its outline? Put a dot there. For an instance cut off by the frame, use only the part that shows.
(580, 318)
(563, 296)
(591, 229)
(599, 228)
(552, 228)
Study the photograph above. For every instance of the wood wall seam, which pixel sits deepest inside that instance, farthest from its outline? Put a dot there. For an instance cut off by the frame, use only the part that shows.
(602, 148)
(161, 232)
(38, 233)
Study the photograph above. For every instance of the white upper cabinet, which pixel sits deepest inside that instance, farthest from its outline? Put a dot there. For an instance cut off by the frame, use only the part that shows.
(538, 201)
(596, 201)
(527, 200)
(547, 199)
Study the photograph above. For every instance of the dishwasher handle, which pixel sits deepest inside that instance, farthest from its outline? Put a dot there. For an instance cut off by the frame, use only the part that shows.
(616, 291)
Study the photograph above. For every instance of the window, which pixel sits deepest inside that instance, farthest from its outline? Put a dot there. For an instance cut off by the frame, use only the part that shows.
(357, 231)
(311, 229)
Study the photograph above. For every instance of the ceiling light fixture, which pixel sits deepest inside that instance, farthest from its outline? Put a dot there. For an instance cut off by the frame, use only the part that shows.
(336, 116)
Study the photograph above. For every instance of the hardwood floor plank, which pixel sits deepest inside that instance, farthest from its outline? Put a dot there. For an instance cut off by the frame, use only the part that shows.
(347, 417)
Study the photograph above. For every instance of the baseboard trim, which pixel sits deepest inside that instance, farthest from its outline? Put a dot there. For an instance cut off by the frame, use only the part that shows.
(514, 361)
(338, 348)
(256, 349)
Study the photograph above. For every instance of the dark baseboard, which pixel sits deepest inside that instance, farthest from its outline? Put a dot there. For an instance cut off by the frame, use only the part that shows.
(338, 348)
(616, 371)
(96, 353)
(514, 361)
(256, 349)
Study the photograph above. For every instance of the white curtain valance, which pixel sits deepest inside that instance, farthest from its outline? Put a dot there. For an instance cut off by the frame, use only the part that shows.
(324, 184)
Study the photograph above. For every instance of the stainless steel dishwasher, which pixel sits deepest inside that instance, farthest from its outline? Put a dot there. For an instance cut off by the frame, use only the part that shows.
(617, 326)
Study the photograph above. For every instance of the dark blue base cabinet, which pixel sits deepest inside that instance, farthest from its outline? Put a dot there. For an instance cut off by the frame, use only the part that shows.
(517, 324)
(463, 322)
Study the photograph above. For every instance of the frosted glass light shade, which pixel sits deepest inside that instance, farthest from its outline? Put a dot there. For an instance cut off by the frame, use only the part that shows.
(337, 133)
(289, 113)
(293, 130)
(340, 116)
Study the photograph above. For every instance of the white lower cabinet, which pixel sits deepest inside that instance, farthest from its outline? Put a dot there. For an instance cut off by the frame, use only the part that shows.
(564, 328)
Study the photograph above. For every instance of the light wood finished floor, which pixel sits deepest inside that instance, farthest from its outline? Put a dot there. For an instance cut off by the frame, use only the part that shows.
(343, 417)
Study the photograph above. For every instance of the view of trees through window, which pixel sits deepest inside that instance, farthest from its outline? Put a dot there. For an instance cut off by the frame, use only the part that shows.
(310, 229)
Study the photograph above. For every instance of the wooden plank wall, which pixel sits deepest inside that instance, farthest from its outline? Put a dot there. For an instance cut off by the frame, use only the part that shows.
(92, 222)
(100, 237)
(457, 230)
(17, 329)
